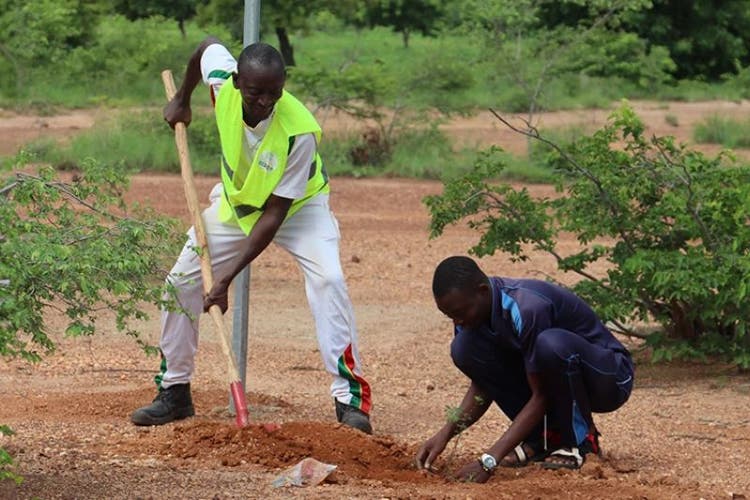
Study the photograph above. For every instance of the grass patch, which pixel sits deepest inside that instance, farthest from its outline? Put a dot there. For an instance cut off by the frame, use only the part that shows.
(451, 74)
(560, 136)
(526, 170)
(427, 154)
(140, 141)
(725, 131)
(537, 166)
(696, 90)
(417, 153)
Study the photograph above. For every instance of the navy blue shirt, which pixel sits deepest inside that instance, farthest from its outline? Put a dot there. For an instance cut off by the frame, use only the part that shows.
(522, 308)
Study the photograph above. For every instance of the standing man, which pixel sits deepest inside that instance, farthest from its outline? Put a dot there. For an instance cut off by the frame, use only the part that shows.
(274, 188)
(541, 354)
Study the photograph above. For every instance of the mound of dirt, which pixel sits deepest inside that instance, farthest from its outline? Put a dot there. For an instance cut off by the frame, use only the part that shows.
(357, 455)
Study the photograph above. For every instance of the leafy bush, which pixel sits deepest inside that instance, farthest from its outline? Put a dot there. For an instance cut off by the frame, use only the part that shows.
(64, 53)
(427, 154)
(77, 248)
(127, 58)
(740, 83)
(668, 224)
(6, 460)
(443, 78)
(36, 33)
(624, 55)
(39, 32)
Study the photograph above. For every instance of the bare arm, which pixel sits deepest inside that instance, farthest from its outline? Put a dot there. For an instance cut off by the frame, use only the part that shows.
(531, 414)
(524, 422)
(259, 238)
(178, 109)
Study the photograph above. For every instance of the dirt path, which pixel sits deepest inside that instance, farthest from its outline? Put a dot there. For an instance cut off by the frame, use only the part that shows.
(481, 130)
(685, 433)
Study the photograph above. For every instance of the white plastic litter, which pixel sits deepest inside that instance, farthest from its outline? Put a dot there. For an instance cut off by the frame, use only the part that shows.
(308, 472)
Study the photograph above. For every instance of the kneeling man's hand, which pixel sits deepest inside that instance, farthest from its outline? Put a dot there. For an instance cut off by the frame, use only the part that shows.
(473, 472)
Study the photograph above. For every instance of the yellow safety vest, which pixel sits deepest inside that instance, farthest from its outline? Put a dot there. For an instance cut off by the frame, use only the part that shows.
(245, 199)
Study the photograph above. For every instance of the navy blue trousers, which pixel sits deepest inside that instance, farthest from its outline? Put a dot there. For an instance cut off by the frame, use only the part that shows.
(579, 378)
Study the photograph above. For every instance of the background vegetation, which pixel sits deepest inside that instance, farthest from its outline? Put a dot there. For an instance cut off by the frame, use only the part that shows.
(420, 60)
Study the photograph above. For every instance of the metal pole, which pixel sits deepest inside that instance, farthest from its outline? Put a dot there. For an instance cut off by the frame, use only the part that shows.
(251, 27)
(240, 315)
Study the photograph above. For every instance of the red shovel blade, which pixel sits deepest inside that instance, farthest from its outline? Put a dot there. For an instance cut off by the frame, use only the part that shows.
(240, 405)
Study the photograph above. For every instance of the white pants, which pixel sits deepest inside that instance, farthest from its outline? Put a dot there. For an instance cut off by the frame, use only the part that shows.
(312, 236)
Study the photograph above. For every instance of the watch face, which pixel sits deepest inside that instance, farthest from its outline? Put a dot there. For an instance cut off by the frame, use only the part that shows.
(489, 461)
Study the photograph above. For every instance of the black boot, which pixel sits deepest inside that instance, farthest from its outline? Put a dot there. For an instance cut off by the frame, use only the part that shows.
(172, 403)
(353, 417)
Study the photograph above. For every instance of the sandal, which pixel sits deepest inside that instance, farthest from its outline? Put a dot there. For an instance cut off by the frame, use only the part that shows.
(571, 459)
(520, 458)
(574, 457)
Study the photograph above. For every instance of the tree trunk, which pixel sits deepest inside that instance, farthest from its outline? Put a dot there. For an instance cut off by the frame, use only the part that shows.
(683, 327)
(405, 37)
(287, 51)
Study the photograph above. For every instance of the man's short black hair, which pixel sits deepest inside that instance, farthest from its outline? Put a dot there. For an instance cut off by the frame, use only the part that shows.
(259, 55)
(457, 272)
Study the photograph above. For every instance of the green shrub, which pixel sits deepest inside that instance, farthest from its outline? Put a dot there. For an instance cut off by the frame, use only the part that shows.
(79, 246)
(6, 460)
(120, 64)
(126, 61)
(668, 225)
(697, 90)
(738, 85)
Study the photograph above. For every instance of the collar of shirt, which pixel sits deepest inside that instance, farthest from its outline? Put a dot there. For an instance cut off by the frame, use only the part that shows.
(260, 129)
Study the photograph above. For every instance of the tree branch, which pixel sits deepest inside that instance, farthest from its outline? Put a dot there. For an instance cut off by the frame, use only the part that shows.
(7, 189)
(687, 182)
(534, 133)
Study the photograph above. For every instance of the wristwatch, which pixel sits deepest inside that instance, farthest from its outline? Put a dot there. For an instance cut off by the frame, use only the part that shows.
(488, 462)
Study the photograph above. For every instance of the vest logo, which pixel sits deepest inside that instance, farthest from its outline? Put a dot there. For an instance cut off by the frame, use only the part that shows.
(268, 161)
